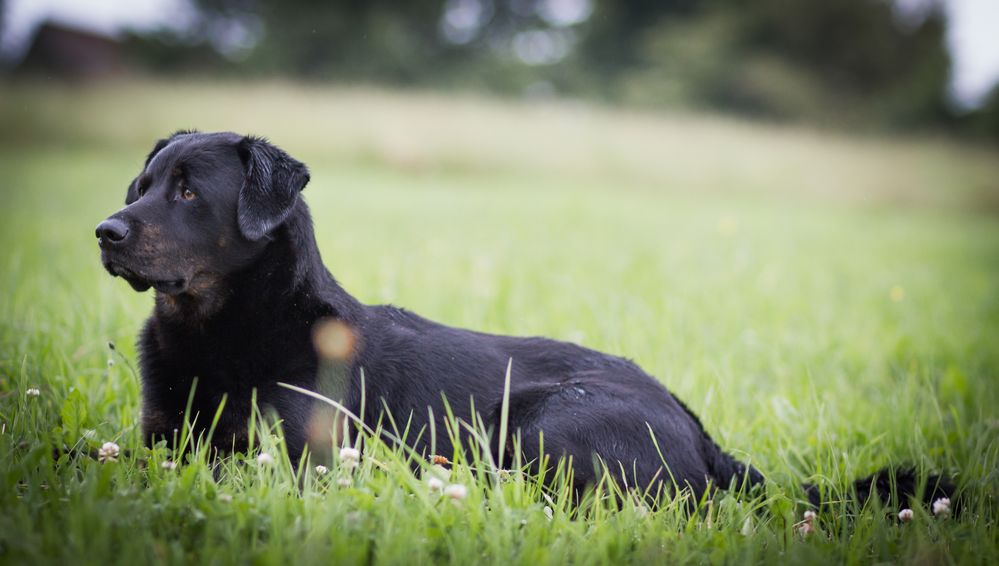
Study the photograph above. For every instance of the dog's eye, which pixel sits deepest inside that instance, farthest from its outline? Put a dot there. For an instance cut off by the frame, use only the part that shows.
(187, 194)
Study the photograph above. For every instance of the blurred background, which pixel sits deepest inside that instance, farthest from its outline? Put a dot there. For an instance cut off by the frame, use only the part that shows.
(786, 210)
(882, 64)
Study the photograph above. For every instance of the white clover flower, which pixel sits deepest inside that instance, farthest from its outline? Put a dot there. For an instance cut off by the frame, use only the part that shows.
(905, 515)
(265, 459)
(456, 491)
(169, 465)
(438, 471)
(941, 506)
(108, 452)
(33, 392)
(806, 526)
(322, 470)
(350, 457)
(435, 485)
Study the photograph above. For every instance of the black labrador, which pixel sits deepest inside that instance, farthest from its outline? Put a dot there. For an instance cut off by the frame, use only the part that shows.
(215, 224)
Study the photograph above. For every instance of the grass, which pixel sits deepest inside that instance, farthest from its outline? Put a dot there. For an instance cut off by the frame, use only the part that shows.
(828, 304)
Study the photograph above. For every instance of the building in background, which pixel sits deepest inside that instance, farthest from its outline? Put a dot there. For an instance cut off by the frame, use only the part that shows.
(58, 50)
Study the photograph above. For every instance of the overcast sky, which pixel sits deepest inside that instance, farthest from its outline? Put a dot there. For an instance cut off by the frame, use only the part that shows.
(972, 35)
(973, 39)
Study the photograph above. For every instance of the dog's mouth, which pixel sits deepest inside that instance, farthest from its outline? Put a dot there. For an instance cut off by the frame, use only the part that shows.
(142, 283)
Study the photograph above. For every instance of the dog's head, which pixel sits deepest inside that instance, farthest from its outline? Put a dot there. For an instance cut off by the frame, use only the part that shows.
(204, 206)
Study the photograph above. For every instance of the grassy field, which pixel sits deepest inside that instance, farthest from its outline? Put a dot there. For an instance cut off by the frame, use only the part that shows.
(828, 304)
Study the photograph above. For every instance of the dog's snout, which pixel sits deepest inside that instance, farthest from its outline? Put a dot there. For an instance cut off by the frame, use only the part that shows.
(111, 231)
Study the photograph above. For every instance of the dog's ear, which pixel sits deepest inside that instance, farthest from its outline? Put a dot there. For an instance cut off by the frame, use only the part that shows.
(156, 149)
(270, 188)
(133, 193)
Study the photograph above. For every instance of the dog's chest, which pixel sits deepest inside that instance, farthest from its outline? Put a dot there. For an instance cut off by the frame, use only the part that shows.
(232, 362)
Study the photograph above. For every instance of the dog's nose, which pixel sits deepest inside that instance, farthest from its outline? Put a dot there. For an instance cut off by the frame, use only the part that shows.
(111, 231)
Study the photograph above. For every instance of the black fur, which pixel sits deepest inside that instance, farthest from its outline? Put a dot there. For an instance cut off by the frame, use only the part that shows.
(241, 287)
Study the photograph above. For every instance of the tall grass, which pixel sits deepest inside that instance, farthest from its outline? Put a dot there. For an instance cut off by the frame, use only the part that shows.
(827, 304)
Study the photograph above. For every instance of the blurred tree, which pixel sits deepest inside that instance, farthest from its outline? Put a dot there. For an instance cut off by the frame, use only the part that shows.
(985, 120)
(790, 59)
(810, 59)
(613, 35)
(384, 40)
(896, 63)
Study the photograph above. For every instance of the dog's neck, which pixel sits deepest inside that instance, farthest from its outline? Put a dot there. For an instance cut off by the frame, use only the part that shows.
(288, 274)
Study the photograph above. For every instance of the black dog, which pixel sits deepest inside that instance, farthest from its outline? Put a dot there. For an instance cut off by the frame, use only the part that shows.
(215, 224)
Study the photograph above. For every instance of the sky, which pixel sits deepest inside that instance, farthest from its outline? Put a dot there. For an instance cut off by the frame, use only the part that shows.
(973, 40)
(972, 34)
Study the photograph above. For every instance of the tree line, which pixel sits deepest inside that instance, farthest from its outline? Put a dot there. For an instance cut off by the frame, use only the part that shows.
(860, 61)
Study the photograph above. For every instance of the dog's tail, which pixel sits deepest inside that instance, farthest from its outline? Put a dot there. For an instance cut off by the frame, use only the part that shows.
(894, 488)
